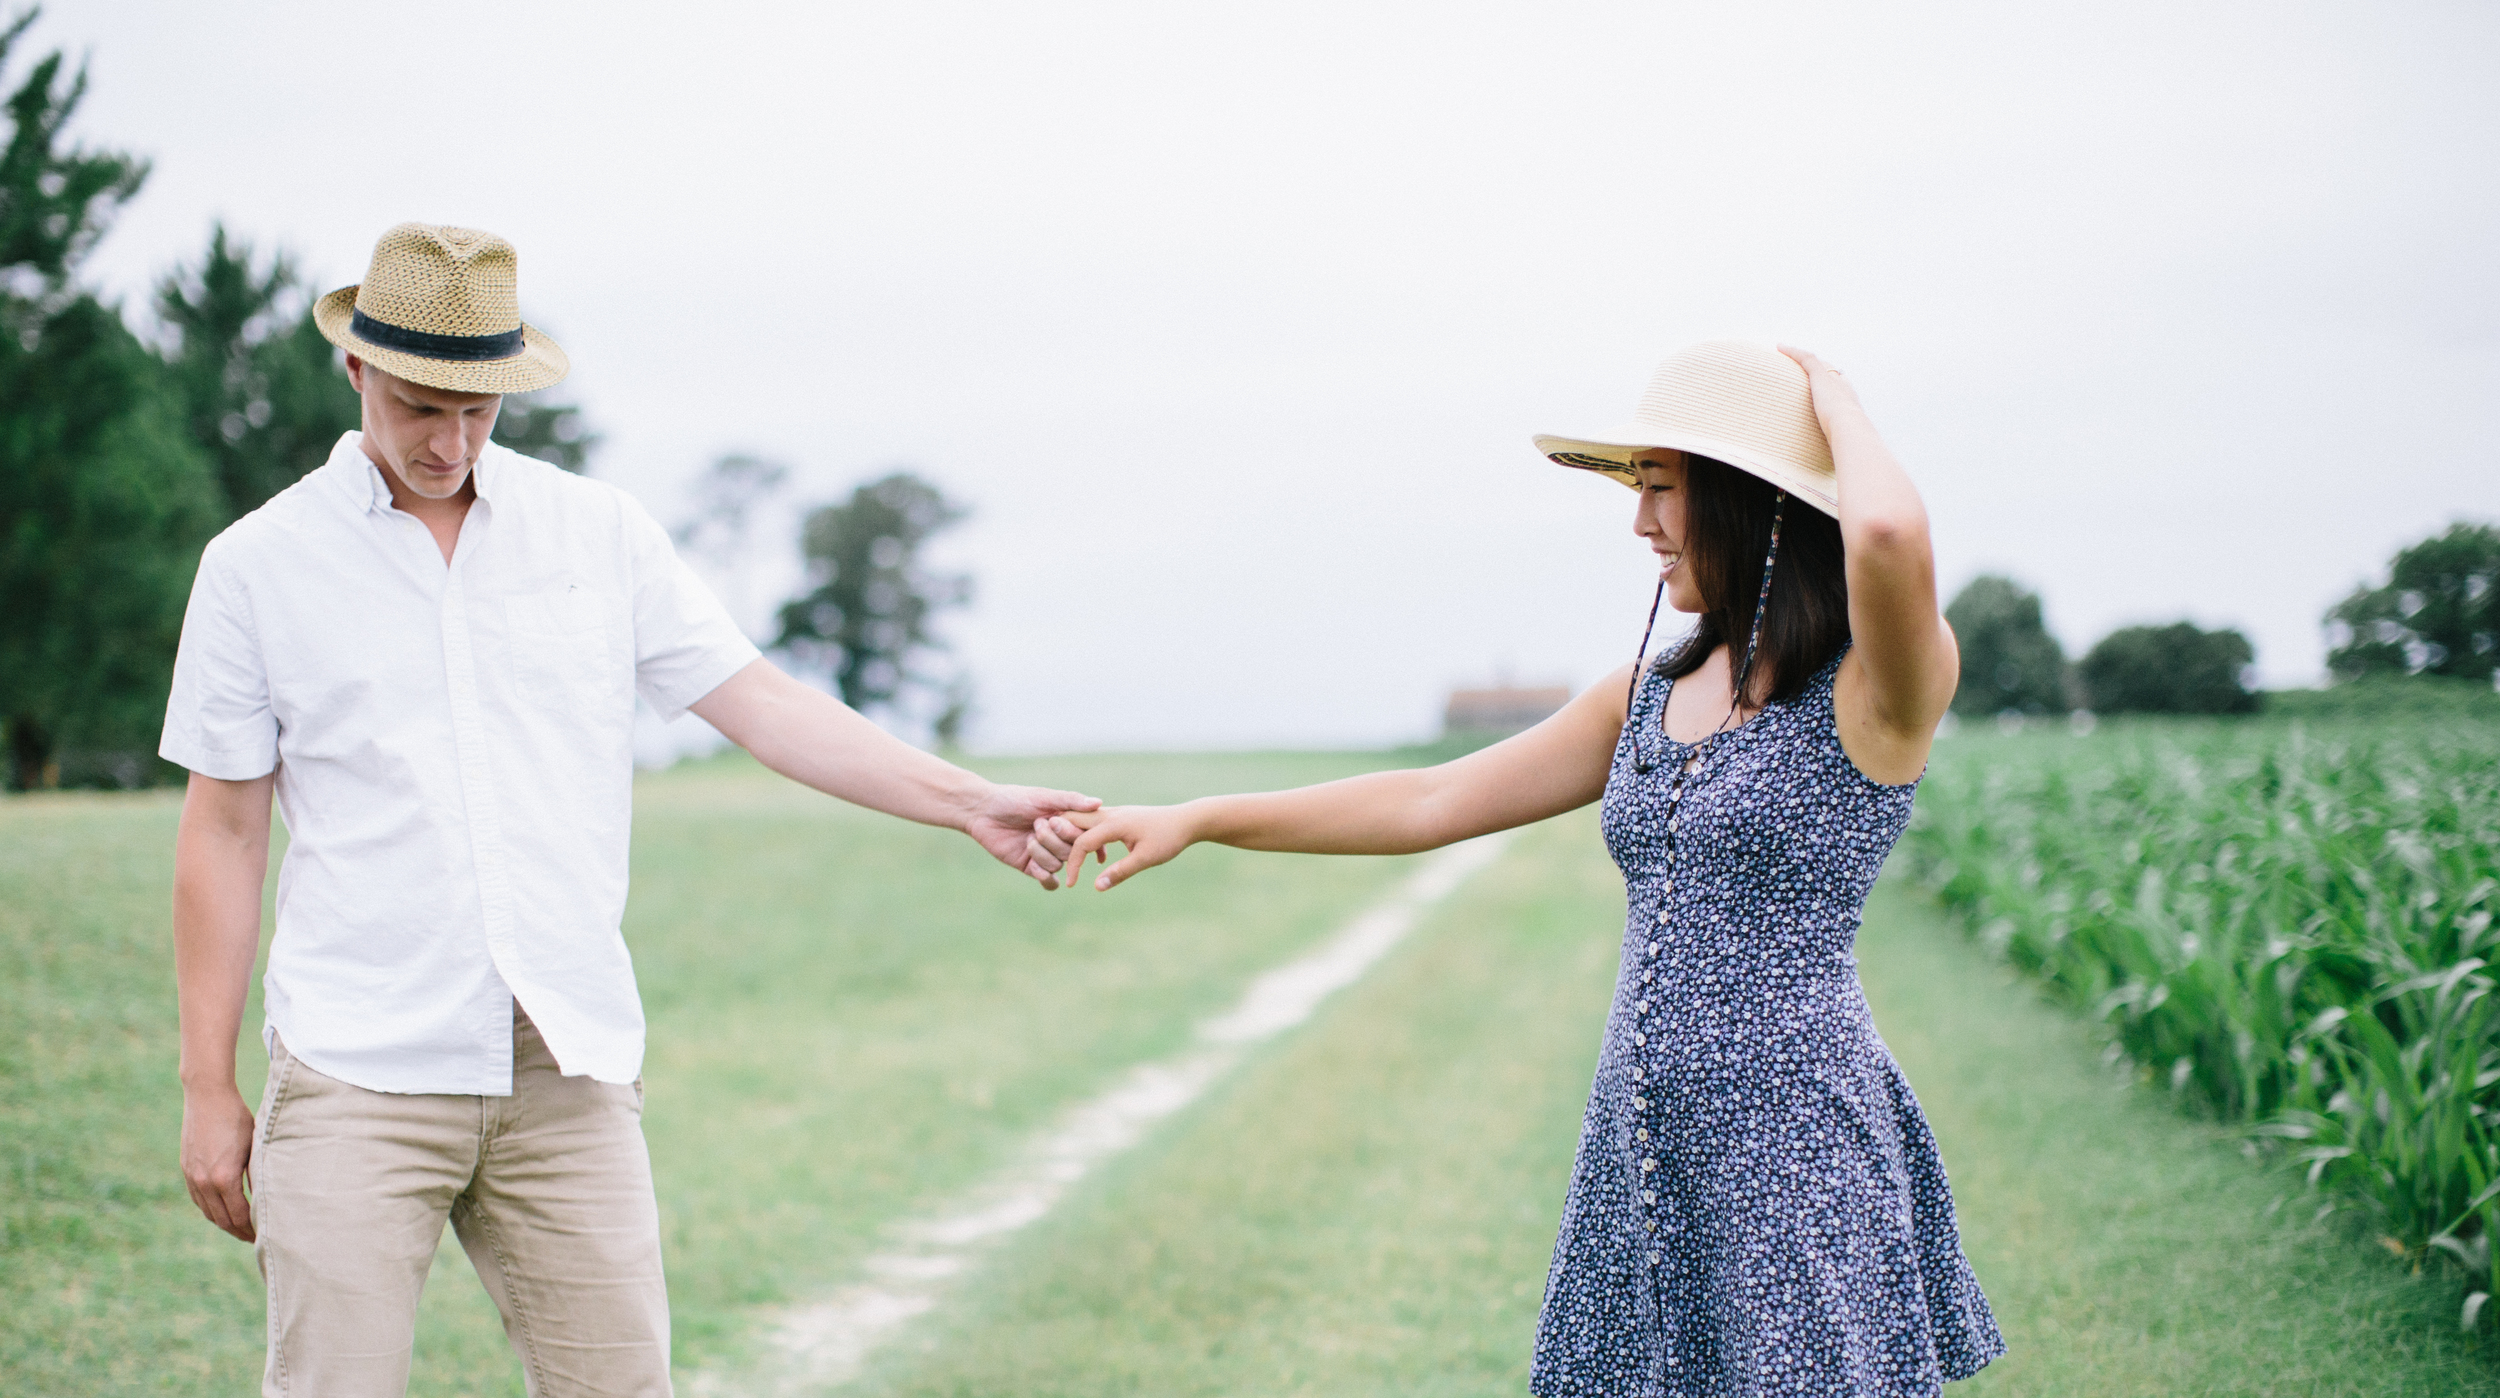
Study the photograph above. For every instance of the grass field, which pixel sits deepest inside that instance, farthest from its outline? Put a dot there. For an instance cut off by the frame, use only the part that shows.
(853, 1019)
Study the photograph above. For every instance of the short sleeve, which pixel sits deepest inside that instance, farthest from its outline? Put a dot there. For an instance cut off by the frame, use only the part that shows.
(685, 645)
(218, 721)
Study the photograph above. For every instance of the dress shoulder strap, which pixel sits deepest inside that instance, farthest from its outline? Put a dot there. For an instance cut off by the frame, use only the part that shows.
(1650, 695)
(1830, 673)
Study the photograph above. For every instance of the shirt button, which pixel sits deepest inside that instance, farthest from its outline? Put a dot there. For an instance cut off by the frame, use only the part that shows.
(1648, 1165)
(1662, 917)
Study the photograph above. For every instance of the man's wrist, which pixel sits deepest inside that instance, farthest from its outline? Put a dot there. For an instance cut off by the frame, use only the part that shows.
(208, 1080)
(972, 796)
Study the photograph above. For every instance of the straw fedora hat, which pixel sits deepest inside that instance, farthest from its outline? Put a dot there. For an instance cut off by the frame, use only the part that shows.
(1735, 401)
(442, 307)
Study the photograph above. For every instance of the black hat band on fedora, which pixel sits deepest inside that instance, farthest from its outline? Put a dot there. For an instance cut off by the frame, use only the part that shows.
(431, 346)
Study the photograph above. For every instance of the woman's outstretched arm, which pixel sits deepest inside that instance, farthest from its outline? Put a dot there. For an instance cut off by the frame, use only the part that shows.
(1901, 673)
(1557, 766)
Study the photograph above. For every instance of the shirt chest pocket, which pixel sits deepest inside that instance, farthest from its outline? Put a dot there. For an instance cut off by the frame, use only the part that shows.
(560, 638)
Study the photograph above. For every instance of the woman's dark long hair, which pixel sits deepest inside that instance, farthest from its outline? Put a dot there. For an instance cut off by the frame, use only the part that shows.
(1727, 532)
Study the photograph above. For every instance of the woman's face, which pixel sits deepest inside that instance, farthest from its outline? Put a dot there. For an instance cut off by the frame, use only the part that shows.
(1660, 520)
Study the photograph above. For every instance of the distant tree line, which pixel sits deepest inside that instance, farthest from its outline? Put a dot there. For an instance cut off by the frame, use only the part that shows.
(123, 452)
(2437, 615)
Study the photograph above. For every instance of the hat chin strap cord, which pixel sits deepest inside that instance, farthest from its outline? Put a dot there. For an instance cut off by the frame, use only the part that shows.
(1736, 692)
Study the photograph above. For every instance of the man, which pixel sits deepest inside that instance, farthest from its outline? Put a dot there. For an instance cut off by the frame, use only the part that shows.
(428, 650)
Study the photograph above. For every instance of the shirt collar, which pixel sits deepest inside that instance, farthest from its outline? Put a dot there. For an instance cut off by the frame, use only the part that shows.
(361, 483)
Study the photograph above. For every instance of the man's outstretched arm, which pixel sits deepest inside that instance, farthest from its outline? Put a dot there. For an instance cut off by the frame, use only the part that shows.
(221, 859)
(817, 740)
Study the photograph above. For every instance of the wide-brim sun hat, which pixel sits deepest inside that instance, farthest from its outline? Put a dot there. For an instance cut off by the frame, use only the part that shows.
(1735, 401)
(442, 307)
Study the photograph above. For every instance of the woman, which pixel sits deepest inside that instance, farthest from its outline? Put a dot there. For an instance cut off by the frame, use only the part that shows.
(1758, 1206)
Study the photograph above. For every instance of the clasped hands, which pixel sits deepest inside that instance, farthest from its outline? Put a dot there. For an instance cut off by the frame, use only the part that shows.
(1061, 842)
(1049, 835)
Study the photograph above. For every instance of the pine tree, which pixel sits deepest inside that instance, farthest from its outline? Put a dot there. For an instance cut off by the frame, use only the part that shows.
(104, 501)
(262, 392)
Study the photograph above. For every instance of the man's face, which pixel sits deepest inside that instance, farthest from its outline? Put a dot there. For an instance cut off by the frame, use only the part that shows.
(427, 439)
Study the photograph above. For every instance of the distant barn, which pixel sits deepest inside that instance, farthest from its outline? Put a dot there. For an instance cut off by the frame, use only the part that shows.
(1502, 710)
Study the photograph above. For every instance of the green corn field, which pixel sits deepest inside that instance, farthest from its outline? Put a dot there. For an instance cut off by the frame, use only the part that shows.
(2285, 923)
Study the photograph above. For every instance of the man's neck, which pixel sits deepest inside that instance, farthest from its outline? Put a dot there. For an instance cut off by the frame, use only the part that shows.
(442, 517)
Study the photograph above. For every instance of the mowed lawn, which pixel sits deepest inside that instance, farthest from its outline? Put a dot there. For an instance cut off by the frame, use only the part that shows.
(853, 1019)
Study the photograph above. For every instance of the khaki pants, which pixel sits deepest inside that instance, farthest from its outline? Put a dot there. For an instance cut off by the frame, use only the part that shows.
(549, 1190)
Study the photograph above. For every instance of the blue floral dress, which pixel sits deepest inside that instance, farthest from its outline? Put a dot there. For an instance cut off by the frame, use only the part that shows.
(1758, 1207)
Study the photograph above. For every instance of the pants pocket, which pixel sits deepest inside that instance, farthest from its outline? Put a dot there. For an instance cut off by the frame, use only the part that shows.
(273, 1094)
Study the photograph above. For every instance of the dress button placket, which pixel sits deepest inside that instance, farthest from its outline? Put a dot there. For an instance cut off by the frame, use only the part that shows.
(1642, 1103)
(1647, 1101)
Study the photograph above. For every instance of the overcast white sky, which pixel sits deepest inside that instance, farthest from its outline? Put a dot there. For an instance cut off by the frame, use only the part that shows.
(1232, 321)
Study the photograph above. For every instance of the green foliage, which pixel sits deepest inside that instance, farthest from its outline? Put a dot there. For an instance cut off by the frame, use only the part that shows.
(262, 391)
(2009, 659)
(104, 501)
(2439, 613)
(54, 202)
(550, 431)
(866, 619)
(2289, 925)
(104, 504)
(2174, 669)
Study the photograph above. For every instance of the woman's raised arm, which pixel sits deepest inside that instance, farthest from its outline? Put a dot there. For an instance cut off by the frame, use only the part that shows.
(1557, 766)
(1905, 662)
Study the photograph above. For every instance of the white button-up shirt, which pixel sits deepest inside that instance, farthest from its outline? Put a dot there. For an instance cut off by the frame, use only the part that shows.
(454, 750)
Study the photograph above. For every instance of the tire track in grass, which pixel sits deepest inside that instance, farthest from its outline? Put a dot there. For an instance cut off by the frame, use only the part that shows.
(822, 1345)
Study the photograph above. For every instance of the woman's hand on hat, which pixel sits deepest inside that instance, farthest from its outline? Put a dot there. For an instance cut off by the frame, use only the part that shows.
(1831, 388)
